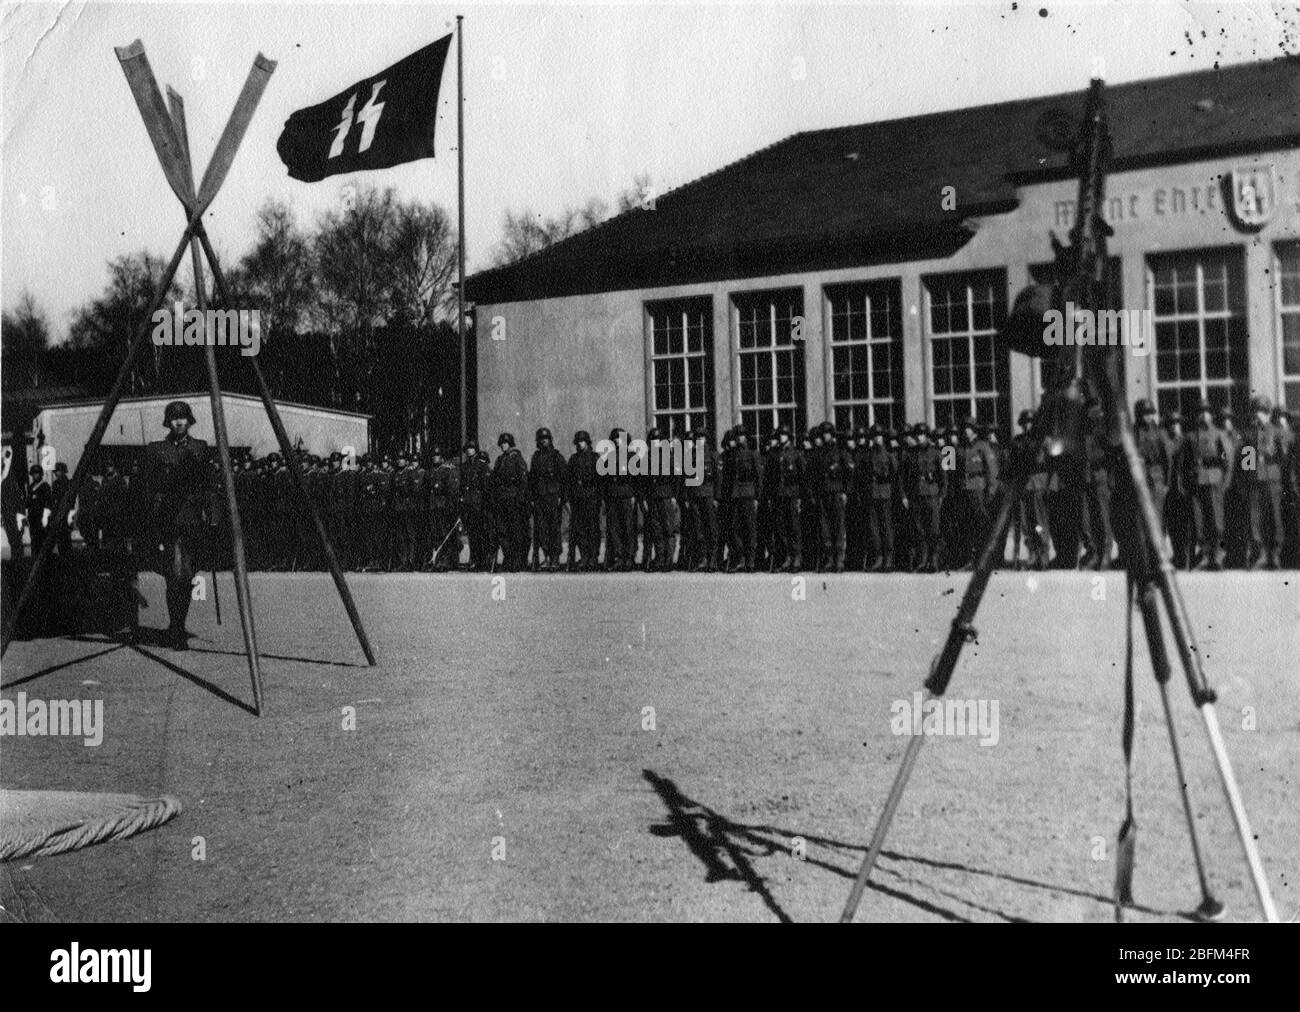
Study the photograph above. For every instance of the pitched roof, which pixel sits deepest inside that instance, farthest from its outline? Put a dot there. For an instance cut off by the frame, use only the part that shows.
(855, 195)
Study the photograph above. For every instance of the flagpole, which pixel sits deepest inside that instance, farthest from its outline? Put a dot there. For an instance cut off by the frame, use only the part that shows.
(460, 228)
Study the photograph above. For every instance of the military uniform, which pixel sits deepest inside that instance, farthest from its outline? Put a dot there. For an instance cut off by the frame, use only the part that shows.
(1262, 486)
(444, 499)
(546, 484)
(180, 496)
(661, 493)
(37, 500)
(1031, 526)
(786, 477)
(883, 483)
(1209, 471)
(927, 484)
(475, 478)
(582, 489)
(700, 509)
(510, 504)
(979, 484)
(741, 480)
(620, 509)
(1097, 494)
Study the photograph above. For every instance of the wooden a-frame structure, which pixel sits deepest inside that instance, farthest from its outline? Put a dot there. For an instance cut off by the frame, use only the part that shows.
(165, 124)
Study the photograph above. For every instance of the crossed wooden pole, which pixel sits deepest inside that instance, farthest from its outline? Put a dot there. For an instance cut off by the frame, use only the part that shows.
(165, 124)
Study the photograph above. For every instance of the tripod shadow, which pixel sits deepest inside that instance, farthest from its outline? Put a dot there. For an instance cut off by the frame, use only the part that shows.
(725, 848)
(143, 638)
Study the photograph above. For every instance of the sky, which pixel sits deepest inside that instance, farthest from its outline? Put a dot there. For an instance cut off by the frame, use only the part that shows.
(562, 101)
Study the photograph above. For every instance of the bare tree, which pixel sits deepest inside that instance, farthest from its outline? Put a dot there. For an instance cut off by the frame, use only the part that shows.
(24, 340)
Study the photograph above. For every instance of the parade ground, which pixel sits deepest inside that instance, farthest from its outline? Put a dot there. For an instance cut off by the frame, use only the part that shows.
(678, 747)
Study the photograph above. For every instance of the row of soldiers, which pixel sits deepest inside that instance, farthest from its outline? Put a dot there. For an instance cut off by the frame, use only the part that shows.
(917, 499)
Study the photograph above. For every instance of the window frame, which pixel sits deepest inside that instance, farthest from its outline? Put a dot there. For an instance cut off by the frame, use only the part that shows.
(996, 278)
(865, 411)
(687, 414)
(775, 410)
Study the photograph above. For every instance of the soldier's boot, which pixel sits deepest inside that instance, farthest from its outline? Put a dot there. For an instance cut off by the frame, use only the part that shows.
(1274, 560)
(888, 566)
(839, 559)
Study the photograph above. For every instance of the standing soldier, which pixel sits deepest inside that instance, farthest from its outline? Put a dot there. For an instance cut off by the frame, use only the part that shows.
(925, 481)
(406, 504)
(57, 487)
(620, 506)
(741, 477)
(374, 493)
(1262, 484)
(510, 503)
(882, 480)
(836, 475)
(37, 503)
(1097, 492)
(180, 496)
(857, 533)
(443, 503)
(1290, 487)
(726, 508)
(474, 482)
(583, 492)
(1156, 452)
(11, 506)
(769, 537)
(1209, 470)
(343, 505)
(1030, 514)
(700, 507)
(1236, 510)
(546, 482)
(787, 481)
(661, 490)
(812, 493)
(979, 479)
(1178, 505)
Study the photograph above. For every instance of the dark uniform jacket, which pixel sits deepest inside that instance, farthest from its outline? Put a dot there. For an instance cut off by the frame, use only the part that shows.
(582, 483)
(742, 478)
(1157, 456)
(926, 478)
(1209, 457)
(475, 475)
(179, 483)
(979, 467)
(884, 472)
(546, 474)
(1270, 454)
(510, 476)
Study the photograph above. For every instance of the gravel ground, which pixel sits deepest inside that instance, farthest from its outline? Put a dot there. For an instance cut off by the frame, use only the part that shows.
(503, 764)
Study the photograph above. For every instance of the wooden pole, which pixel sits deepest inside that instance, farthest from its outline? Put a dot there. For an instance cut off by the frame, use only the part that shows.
(291, 459)
(460, 227)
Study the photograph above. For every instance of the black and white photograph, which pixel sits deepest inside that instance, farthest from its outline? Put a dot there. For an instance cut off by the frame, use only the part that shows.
(680, 463)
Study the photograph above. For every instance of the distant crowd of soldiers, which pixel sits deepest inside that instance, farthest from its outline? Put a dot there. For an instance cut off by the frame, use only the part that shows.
(916, 499)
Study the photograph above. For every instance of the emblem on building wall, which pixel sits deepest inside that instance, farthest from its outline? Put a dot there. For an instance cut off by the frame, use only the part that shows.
(1254, 195)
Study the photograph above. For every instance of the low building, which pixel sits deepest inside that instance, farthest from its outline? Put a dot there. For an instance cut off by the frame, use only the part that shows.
(860, 274)
(136, 421)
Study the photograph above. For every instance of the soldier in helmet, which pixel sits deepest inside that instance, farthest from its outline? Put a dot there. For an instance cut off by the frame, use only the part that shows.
(926, 482)
(661, 487)
(620, 505)
(181, 498)
(979, 482)
(1178, 501)
(1030, 515)
(1209, 473)
(474, 507)
(546, 484)
(582, 489)
(882, 481)
(741, 482)
(786, 477)
(1264, 449)
(510, 503)
(38, 500)
(700, 507)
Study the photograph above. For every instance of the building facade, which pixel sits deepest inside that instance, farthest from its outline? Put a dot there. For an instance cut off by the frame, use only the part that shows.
(1203, 198)
(137, 421)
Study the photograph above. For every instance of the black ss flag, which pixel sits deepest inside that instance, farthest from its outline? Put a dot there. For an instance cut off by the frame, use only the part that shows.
(384, 120)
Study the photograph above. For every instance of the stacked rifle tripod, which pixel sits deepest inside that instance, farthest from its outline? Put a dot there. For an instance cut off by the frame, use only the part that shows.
(165, 124)
(1058, 429)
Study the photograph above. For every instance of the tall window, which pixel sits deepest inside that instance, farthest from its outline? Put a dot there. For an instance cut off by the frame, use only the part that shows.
(681, 364)
(968, 374)
(1288, 273)
(866, 341)
(770, 363)
(1198, 301)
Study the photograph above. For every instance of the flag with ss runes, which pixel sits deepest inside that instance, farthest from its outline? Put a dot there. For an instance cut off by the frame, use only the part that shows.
(384, 120)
